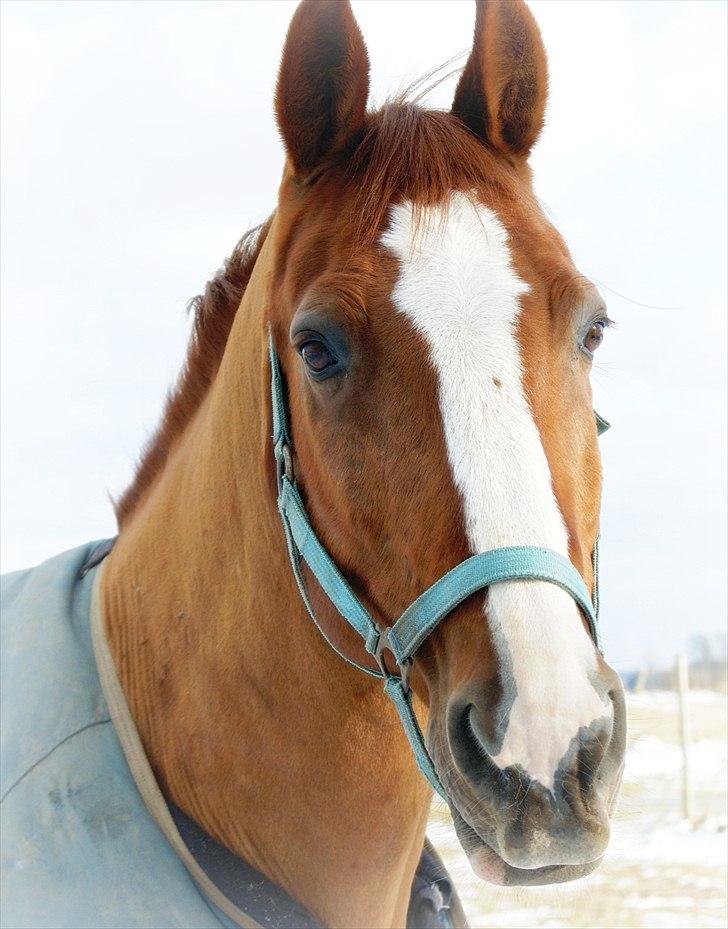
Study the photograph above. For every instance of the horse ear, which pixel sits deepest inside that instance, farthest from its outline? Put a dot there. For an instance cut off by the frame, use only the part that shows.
(501, 95)
(323, 84)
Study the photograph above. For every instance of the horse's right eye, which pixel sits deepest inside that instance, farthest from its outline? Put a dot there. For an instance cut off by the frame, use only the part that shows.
(317, 356)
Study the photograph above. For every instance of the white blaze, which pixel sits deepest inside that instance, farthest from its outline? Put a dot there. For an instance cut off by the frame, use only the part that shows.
(459, 288)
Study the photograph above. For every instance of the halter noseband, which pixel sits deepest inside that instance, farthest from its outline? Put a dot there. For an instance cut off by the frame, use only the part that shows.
(404, 637)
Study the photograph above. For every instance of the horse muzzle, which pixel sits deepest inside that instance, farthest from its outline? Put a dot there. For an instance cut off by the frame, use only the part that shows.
(515, 829)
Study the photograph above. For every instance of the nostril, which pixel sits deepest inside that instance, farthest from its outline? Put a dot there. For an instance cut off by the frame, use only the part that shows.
(471, 745)
(464, 743)
(478, 712)
(586, 768)
(589, 757)
(483, 728)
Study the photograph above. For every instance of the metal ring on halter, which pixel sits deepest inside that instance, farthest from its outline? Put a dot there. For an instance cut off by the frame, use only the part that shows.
(405, 666)
(284, 465)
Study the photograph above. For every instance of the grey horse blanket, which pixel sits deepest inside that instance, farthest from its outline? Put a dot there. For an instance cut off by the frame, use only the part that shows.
(79, 847)
(87, 839)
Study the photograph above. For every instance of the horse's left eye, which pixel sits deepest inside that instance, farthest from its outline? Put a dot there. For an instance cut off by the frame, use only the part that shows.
(594, 337)
(317, 356)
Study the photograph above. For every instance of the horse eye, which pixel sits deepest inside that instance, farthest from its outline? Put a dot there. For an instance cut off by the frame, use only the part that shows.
(594, 337)
(317, 356)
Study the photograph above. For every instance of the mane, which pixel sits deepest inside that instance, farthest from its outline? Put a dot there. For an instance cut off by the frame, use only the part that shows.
(213, 313)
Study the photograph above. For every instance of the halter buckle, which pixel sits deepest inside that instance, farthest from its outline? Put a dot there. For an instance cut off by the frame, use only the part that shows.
(284, 465)
(405, 666)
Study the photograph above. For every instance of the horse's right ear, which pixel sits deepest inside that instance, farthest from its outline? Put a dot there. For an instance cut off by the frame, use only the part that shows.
(323, 84)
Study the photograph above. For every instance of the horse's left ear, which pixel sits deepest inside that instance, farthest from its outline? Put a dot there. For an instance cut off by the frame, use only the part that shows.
(323, 84)
(501, 96)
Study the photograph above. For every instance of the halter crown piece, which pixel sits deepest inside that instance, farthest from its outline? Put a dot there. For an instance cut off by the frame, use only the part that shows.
(405, 636)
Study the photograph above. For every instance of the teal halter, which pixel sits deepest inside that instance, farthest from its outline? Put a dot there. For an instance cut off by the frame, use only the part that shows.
(420, 618)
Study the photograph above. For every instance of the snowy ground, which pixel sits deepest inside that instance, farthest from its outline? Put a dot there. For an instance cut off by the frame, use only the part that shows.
(659, 871)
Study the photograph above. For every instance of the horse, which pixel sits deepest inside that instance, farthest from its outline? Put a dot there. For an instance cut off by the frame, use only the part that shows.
(385, 405)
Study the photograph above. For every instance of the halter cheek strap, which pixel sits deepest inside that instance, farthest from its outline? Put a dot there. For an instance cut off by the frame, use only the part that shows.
(405, 636)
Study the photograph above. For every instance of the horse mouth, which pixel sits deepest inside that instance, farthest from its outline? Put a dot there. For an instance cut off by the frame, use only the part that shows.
(492, 868)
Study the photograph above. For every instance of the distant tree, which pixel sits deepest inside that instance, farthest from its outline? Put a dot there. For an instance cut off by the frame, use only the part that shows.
(699, 650)
(707, 658)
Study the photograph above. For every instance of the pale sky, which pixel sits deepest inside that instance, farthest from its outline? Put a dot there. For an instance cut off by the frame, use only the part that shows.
(138, 144)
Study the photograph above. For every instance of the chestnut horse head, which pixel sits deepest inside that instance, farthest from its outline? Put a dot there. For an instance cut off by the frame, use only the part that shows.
(436, 342)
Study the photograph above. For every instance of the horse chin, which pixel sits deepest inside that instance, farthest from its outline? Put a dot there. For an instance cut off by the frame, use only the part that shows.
(488, 865)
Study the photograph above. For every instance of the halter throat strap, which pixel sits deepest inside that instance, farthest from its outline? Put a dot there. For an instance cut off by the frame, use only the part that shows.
(404, 637)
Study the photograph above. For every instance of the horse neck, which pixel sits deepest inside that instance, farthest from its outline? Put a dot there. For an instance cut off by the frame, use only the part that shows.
(283, 753)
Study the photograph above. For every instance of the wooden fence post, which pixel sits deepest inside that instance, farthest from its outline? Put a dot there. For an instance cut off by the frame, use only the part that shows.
(683, 687)
(643, 676)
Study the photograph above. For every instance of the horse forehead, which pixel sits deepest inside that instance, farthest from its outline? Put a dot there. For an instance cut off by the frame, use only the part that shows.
(489, 281)
(456, 264)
